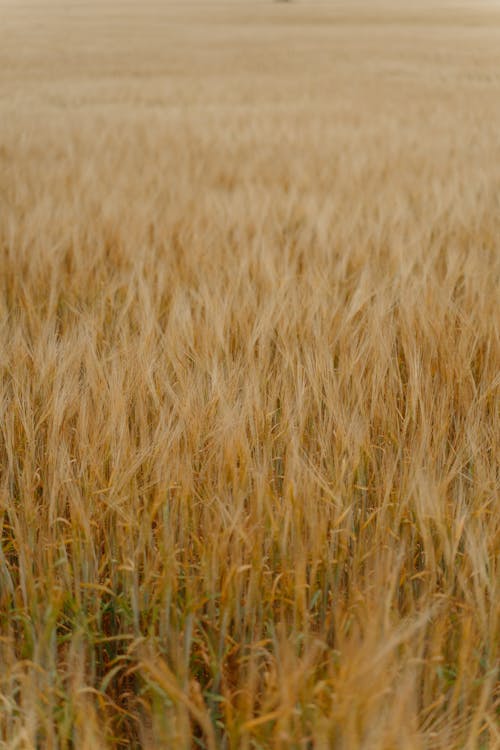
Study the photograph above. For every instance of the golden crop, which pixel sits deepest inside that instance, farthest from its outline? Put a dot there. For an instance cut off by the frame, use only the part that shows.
(250, 370)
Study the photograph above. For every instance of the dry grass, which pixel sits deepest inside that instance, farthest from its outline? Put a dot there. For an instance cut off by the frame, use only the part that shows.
(250, 352)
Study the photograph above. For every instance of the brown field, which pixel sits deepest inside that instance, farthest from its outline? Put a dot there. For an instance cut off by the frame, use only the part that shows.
(250, 375)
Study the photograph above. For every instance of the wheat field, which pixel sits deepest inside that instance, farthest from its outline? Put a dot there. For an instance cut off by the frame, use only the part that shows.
(250, 375)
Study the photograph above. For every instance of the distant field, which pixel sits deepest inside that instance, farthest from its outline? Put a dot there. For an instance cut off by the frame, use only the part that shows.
(250, 376)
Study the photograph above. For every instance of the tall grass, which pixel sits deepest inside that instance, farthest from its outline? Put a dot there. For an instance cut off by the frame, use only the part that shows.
(249, 397)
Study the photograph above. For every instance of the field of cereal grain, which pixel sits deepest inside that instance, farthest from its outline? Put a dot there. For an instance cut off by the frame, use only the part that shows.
(250, 375)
